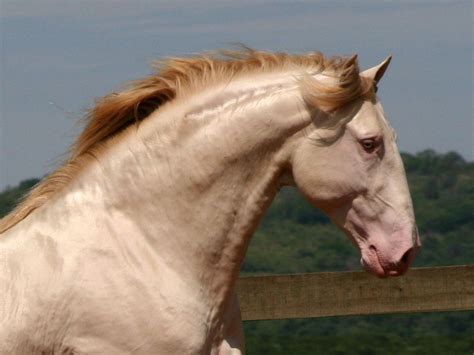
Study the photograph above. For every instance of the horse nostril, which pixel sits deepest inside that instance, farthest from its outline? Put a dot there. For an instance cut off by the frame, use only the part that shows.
(406, 257)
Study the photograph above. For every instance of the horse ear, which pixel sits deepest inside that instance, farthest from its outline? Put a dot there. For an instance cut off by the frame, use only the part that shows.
(376, 73)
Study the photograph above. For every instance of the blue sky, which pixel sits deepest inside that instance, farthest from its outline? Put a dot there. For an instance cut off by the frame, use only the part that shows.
(57, 56)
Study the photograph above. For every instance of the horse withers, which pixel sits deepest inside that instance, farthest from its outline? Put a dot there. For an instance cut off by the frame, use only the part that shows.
(134, 245)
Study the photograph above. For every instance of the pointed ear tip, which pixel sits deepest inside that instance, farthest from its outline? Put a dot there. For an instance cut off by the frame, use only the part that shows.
(351, 60)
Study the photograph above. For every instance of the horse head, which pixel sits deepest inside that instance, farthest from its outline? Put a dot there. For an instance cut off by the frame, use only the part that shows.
(347, 164)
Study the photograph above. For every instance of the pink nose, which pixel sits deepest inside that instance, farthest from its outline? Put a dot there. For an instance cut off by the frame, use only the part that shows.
(399, 267)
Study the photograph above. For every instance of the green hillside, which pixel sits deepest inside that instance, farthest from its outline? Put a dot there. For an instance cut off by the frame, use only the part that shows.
(294, 237)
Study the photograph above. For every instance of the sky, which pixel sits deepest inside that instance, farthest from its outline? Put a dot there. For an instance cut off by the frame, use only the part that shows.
(58, 56)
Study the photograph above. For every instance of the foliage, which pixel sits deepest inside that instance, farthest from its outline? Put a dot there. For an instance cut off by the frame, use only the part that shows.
(12, 195)
(295, 237)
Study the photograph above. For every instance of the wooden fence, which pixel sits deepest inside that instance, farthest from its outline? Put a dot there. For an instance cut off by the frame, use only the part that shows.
(356, 293)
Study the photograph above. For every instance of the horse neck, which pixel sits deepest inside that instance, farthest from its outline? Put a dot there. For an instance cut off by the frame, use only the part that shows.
(191, 184)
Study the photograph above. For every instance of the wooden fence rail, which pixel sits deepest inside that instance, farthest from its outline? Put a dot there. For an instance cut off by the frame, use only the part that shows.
(350, 293)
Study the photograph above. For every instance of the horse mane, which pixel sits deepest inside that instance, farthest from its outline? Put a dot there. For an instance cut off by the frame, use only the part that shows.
(118, 111)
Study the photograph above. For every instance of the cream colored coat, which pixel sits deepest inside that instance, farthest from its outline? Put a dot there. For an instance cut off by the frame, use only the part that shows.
(140, 253)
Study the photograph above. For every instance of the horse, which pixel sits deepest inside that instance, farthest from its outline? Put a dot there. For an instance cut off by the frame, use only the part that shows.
(134, 245)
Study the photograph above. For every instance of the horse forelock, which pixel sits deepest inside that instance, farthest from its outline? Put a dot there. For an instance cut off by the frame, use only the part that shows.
(118, 111)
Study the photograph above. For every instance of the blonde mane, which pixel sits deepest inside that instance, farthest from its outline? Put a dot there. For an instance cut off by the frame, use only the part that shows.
(114, 113)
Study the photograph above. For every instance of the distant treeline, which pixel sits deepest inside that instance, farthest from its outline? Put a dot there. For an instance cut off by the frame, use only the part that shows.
(295, 237)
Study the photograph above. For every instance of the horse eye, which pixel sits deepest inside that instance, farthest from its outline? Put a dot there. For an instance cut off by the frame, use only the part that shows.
(368, 144)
